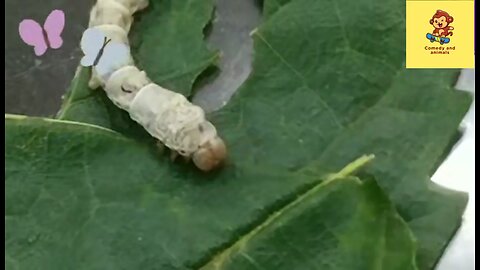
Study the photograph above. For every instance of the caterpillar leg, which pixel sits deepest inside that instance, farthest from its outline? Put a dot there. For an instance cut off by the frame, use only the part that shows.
(161, 147)
(173, 155)
(186, 159)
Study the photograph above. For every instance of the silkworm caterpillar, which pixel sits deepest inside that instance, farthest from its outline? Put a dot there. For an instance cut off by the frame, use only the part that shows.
(167, 116)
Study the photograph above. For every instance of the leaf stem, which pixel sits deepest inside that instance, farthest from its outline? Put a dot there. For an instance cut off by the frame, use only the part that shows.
(218, 260)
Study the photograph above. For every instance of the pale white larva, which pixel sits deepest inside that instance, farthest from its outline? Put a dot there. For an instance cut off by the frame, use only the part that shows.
(166, 115)
(111, 12)
(134, 5)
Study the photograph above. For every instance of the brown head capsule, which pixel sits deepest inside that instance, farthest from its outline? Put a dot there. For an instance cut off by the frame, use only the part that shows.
(210, 155)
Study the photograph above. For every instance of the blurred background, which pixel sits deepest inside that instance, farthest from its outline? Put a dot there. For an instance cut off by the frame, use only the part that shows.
(35, 85)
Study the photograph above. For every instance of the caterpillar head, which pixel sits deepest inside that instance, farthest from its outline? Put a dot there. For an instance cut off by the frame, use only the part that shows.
(210, 155)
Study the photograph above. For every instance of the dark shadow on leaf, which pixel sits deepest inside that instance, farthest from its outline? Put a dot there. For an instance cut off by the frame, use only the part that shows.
(207, 76)
(207, 30)
(259, 4)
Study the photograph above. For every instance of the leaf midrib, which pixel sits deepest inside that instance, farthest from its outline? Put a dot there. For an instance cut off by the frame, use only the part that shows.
(18, 117)
(218, 259)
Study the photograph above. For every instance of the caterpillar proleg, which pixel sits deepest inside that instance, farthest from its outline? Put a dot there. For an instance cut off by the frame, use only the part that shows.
(167, 116)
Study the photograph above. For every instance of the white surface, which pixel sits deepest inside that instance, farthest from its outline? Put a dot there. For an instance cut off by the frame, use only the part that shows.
(458, 172)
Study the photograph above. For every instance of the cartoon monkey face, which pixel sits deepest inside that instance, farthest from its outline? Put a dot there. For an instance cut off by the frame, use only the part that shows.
(441, 19)
(440, 22)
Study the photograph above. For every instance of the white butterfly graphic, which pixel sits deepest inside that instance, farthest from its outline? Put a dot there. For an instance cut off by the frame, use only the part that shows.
(103, 54)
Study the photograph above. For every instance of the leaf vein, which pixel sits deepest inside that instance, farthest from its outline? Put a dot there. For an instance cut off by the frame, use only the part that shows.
(220, 258)
(301, 78)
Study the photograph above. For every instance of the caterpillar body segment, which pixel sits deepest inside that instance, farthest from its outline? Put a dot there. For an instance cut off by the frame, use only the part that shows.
(124, 84)
(133, 5)
(177, 123)
(111, 12)
(166, 115)
(116, 34)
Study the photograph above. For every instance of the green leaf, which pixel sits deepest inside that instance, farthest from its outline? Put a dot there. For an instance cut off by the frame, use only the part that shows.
(330, 92)
(167, 42)
(70, 205)
(339, 224)
(272, 6)
(324, 92)
(85, 105)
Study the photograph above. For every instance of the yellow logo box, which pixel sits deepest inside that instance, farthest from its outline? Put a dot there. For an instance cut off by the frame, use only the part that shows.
(440, 34)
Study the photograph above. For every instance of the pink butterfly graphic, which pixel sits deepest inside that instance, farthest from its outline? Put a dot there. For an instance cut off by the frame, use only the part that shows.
(42, 38)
